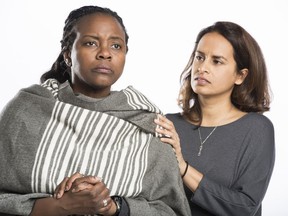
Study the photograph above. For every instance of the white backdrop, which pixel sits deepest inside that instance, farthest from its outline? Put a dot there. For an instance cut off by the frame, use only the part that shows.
(162, 35)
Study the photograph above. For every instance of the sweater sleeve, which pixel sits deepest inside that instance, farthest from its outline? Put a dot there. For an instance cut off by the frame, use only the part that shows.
(247, 191)
(18, 204)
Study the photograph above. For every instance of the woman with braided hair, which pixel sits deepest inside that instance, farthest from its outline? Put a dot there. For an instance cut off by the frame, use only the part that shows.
(71, 146)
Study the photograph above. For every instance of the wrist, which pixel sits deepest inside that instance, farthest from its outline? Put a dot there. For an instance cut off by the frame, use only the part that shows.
(118, 203)
(48, 206)
(185, 168)
(182, 166)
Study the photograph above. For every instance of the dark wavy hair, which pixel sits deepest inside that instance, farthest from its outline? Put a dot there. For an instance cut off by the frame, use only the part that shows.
(252, 95)
(59, 69)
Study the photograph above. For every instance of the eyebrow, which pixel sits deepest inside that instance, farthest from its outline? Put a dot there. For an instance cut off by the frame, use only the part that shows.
(214, 56)
(111, 38)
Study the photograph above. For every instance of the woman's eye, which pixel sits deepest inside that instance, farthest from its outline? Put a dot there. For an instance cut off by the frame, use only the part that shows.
(91, 43)
(217, 61)
(116, 46)
(199, 58)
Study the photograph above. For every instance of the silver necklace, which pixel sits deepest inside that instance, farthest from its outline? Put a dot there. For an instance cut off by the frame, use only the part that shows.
(202, 142)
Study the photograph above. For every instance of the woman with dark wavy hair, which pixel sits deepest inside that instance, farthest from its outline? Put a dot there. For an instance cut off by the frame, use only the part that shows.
(223, 142)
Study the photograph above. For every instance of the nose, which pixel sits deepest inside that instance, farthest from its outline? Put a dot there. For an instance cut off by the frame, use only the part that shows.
(103, 53)
(203, 68)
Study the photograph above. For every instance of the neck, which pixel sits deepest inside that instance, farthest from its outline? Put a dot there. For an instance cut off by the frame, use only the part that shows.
(91, 92)
(217, 114)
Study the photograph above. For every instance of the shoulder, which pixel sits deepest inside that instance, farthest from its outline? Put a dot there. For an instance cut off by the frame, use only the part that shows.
(178, 119)
(257, 120)
(259, 131)
(27, 98)
(18, 104)
(175, 116)
(23, 95)
(252, 126)
(46, 89)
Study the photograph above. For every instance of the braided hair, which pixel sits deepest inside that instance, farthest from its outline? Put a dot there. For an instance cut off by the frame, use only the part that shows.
(59, 70)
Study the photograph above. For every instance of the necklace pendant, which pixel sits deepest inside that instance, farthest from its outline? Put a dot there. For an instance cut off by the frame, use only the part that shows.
(200, 150)
(202, 142)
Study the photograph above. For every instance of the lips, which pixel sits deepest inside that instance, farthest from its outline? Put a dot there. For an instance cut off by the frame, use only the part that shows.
(102, 69)
(201, 80)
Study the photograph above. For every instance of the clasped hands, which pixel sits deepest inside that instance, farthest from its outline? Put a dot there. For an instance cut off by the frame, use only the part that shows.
(85, 195)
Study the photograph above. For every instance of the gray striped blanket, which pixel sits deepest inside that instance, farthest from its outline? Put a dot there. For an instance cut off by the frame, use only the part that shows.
(48, 133)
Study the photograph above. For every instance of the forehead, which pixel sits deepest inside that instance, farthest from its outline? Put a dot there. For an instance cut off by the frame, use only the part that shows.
(96, 23)
(214, 43)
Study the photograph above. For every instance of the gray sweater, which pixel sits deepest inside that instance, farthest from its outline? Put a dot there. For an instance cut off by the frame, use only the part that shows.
(48, 133)
(237, 162)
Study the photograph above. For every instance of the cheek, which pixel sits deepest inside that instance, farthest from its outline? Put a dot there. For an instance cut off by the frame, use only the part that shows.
(193, 85)
(76, 66)
(224, 84)
(120, 63)
(83, 56)
(123, 63)
(193, 75)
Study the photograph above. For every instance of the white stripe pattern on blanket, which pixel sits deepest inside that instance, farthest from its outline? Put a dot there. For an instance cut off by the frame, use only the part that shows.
(92, 143)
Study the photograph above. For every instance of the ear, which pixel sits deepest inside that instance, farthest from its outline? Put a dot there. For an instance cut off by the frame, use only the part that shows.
(241, 76)
(67, 59)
